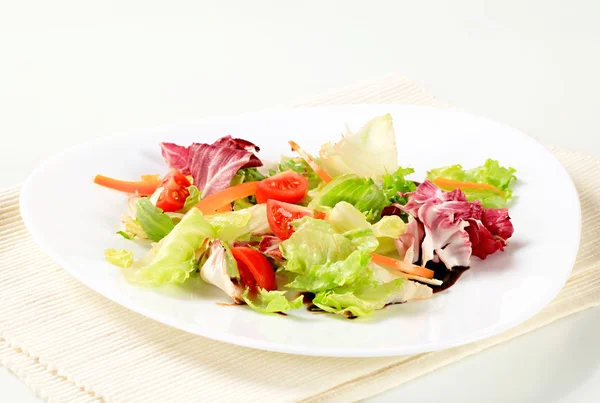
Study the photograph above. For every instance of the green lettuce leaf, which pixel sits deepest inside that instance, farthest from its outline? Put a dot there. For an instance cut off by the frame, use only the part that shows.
(363, 238)
(241, 204)
(362, 193)
(192, 199)
(271, 301)
(395, 183)
(370, 152)
(153, 221)
(365, 300)
(173, 258)
(246, 175)
(358, 303)
(351, 271)
(490, 172)
(240, 224)
(337, 269)
(126, 235)
(132, 228)
(121, 257)
(345, 217)
(314, 243)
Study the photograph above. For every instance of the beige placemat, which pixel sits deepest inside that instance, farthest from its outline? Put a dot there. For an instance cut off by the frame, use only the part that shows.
(68, 343)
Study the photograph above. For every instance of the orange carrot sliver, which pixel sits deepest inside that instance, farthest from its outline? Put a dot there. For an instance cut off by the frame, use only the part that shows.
(452, 184)
(217, 202)
(309, 160)
(401, 266)
(145, 187)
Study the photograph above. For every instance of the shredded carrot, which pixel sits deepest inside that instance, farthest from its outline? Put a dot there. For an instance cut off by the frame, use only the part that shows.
(309, 160)
(218, 202)
(452, 184)
(225, 209)
(401, 266)
(145, 187)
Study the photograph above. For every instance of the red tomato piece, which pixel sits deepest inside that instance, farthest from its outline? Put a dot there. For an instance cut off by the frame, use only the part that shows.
(255, 269)
(289, 187)
(280, 216)
(175, 191)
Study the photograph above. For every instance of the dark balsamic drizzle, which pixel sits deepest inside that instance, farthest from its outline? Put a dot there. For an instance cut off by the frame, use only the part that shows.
(307, 298)
(448, 277)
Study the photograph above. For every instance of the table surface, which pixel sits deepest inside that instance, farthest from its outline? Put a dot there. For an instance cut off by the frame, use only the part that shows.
(72, 71)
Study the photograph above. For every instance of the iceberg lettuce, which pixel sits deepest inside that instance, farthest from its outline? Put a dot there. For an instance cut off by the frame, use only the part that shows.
(370, 152)
(490, 173)
(173, 259)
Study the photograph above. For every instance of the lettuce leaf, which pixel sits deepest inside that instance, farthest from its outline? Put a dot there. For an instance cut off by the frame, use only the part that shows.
(271, 301)
(240, 224)
(247, 175)
(362, 193)
(348, 272)
(173, 258)
(338, 271)
(365, 300)
(314, 243)
(395, 183)
(192, 199)
(363, 238)
(490, 172)
(370, 152)
(358, 303)
(121, 257)
(154, 222)
(345, 217)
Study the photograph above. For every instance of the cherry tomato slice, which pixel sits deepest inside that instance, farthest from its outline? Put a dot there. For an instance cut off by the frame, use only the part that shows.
(255, 269)
(246, 276)
(280, 216)
(175, 191)
(289, 187)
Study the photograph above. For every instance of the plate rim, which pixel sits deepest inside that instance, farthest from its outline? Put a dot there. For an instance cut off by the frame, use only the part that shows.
(26, 196)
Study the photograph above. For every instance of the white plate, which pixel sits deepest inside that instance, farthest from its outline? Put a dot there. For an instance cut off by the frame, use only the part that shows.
(74, 220)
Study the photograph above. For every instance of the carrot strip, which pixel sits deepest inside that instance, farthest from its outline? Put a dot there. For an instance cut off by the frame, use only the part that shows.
(401, 266)
(145, 187)
(309, 160)
(216, 202)
(452, 184)
(225, 209)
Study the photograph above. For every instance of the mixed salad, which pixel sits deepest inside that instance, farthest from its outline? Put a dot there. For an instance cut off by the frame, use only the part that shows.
(346, 230)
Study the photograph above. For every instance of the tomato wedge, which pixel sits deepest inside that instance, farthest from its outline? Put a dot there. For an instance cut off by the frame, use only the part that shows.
(255, 270)
(175, 191)
(145, 187)
(217, 202)
(289, 187)
(280, 216)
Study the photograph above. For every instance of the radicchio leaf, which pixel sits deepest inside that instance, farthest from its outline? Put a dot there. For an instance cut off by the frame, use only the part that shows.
(269, 245)
(498, 222)
(212, 165)
(454, 227)
(176, 156)
(484, 243)
(239, 144)
(409, 243)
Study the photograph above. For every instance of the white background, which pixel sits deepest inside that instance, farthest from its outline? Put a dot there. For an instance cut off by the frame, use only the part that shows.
(72, 70)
